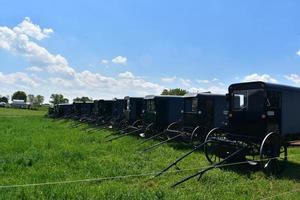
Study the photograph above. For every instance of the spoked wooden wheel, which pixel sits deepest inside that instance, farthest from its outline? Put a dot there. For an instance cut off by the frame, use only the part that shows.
(273, 154)
(123, 124)
(213, 149)
(197, 136)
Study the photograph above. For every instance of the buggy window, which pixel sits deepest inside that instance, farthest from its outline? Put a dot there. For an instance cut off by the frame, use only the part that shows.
(194, 104)
(151, 105)
(127, 105)
(248, 100)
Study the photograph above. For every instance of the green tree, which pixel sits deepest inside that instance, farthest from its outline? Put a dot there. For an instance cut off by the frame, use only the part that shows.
(175, 91)
(19, 95)
(82, 99)
(40, 99)
(58, 98)
(4, 99)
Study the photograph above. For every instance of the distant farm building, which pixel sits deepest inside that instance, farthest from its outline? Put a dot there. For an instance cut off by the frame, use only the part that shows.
(19, 104)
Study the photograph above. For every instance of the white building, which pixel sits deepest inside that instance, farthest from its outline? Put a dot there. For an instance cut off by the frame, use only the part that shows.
(19, 104)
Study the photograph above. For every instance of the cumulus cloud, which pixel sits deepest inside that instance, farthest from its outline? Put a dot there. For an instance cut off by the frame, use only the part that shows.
(119, 60)
(32, 30)
(298, 53)
(17, 78)
(294, 78)
(185, 82)
(168, 79)
(126, 75)
(20, 40)
(212, 89)
(257, 77)
(203, 81)
(34, 69)
(62, 78)
(104, 61)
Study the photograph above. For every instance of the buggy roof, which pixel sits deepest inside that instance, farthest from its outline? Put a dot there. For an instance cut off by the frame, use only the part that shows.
(65, 104)
(162, 96)
(203, 94)
(262, 85)
(128, 97)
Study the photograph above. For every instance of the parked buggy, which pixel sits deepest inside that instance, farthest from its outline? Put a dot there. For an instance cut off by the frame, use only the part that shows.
(160, 111)
(201, 113)
(82, 110)
(133, 110)
(117, 114)
(262, 122)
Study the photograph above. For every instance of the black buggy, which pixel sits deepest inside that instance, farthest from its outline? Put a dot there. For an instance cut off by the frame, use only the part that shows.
(132, 111)
(201, 113)
(82, 110)
(158, 113)
(60, 111)
(117, 114)
(262, 122)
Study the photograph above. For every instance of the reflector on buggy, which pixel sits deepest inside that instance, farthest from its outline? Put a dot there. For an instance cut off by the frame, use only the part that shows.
(262, 121)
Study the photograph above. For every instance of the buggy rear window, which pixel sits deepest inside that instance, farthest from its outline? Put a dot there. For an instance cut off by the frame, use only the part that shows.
(194, 104)
(151, 105)
(248, 100)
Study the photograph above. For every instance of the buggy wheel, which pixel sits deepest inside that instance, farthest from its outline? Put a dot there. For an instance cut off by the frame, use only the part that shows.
(123, 124)
(273, 154)
(211, 148)
(197, 136)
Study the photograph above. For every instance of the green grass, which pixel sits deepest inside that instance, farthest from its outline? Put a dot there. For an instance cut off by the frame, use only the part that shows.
(35, 149)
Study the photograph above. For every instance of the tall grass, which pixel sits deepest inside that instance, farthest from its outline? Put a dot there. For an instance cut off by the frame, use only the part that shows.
(35, 149)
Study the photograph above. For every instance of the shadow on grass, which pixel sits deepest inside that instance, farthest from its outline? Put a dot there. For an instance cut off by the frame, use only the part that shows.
(291, 171)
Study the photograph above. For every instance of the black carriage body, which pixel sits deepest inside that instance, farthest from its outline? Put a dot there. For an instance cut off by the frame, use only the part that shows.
(205, 110)
(163, 110)
(65, 109)
(105, 107)
(83, 109)
(117, 108)
(133, 108)
(258, 108)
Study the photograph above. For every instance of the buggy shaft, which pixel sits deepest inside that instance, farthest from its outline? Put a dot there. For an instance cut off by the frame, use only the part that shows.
(200, 173)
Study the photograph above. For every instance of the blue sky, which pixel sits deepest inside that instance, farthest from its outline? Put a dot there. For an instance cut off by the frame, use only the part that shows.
(130, 47)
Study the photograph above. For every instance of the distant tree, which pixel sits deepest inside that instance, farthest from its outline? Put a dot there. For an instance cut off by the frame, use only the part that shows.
(19, 95)
(30, 98)
(176, 91)
(58, 98)
(82, 99)
(40, 99)
(4, 99)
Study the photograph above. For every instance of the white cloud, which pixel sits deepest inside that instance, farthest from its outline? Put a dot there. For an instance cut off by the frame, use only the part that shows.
(34, 69)
(17, 78)
(119, 60)
(22, 40)
(32, 30)
(127, 75)
(61, 82)
(18, 40)
(185, 82)
(257, 77)
(294, 78)
(215, 79)
(298, 53)
(104, 61)
(168, 79)
(203, 81)
(212, 89)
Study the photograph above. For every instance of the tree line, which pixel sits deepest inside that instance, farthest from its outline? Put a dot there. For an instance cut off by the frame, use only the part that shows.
(55, 99)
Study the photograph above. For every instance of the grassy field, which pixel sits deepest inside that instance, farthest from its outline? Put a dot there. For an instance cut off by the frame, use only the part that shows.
(35, 149)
